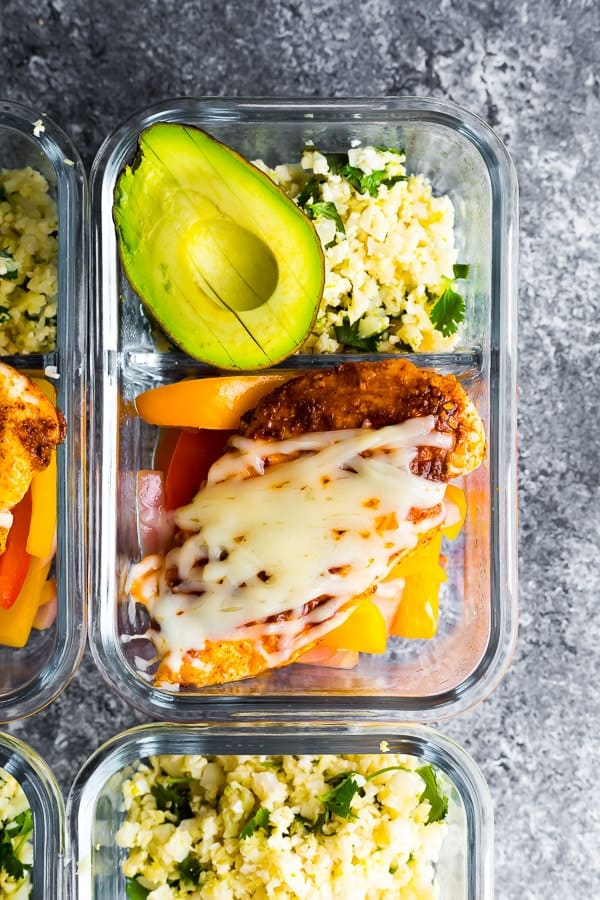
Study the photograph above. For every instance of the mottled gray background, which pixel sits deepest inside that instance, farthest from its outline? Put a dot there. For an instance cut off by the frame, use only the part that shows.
(532, 70)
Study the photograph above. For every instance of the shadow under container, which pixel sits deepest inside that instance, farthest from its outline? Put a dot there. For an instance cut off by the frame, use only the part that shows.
(32, 676)
(47, 809)
(95, 806)
(423, 680)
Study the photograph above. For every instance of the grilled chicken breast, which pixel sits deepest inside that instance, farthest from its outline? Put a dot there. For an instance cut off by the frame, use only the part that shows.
(373, 395)
(30, 429)
(334, 477)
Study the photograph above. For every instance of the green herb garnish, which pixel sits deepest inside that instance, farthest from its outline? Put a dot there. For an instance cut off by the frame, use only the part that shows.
(173, 796)
(134, 890)
(17, 829)
(361, 181)
(9, 264)
(325, 210)
(189, 870)
(260, 819)
(449, 309)
(349, 335)
(399, 151)
(338, 800)
(311, 192)
(432, 794)
(4, 314)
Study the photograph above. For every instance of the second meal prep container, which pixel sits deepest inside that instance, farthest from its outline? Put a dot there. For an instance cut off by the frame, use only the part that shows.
(415, 680)
(32, 676)
(95, 808)
(47, 809)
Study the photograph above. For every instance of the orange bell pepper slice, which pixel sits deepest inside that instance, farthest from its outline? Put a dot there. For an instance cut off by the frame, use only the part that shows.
(14, 562)
(364, 630)
(16, 623)
(206, 402)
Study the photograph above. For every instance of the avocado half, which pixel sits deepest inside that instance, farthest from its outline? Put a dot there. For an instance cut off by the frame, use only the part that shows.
(226, 263)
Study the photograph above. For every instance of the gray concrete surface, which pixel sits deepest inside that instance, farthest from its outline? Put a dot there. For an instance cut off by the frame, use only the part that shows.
(532, 70)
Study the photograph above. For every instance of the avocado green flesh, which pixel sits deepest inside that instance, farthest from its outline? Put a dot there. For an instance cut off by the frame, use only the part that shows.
(222, 258)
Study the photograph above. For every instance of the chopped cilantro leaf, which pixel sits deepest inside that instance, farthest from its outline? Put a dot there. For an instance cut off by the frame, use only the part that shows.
(325, 210)
(399, 151)
(336, 162)
(20, 827)
(310, 193)
(260, 819)
(9, 264)
(4, 314)
(461, 270)
(449, 310)
(173, 796)
(134, 890)
(432, 794)
(394, 179)
(349, 336)
(339, 798)
(189, 870)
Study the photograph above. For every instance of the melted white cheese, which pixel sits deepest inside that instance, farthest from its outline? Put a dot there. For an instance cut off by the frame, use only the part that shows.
(329, 522)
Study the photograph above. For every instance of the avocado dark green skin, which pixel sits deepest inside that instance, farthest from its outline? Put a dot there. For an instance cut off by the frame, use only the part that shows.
(227, 264)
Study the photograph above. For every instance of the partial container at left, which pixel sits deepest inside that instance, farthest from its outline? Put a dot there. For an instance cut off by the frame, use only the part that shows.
(43, 328)
(44, 831)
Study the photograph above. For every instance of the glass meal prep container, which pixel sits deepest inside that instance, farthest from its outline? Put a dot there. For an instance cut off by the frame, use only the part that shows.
(47, 809)
(31, 676)
(95, 804)
(422, 680)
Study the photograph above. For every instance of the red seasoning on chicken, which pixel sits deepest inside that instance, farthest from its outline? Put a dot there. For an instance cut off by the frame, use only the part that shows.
(30, 429)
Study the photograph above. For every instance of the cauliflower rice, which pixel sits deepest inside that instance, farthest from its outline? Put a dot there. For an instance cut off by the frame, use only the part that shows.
(221, 827)
(16, 850)
(389, 250)
(28, 267)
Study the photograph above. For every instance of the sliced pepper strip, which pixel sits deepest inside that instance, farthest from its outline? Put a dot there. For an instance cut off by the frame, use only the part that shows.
(206, 402)
(16, 623)
(364, 630)
(40, 539)
(14, 562)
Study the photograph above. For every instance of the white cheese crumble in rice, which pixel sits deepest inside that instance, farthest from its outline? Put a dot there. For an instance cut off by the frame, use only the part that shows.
(15, 830)
(389, 249)
(28, 263)
(254, 826)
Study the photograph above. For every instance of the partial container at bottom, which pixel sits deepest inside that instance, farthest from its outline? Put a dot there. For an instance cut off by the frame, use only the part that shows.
(99, 855)
(20, 762)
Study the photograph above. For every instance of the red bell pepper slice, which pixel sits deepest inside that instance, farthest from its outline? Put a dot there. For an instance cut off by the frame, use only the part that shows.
(194, 453)
(14, 562)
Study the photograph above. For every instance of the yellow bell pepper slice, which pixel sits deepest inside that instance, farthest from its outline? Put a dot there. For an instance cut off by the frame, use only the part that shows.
(16, 622)
(417, 614)
(425, 554)
(455, 495)
(40, 540)
(364, 630)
